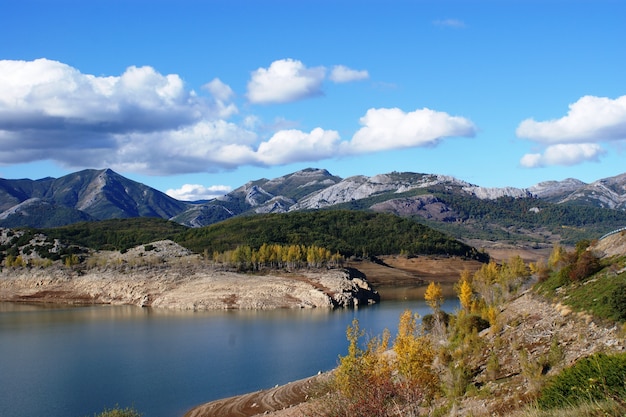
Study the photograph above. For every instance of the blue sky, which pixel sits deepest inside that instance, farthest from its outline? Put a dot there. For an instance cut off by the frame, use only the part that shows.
(195, 98)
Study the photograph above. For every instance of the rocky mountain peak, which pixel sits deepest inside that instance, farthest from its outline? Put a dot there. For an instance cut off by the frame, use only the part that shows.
(256, 195)
(550, 189)
(104, 194)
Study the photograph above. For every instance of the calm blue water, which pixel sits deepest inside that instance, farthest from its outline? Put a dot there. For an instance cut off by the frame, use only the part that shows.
(74, 362)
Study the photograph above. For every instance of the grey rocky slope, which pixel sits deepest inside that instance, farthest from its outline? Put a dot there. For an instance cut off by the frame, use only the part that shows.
(104, 194)
(81, 196)
(313, 189)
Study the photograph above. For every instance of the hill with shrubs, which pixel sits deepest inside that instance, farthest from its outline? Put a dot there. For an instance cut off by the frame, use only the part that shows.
(529, 340)
(539, 339)
(341, 232)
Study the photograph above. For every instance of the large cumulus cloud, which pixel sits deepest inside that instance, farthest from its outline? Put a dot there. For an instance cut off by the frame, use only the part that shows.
(50, 110)
(145, 122)
(577, 136)
(392, 128)
(48, 95)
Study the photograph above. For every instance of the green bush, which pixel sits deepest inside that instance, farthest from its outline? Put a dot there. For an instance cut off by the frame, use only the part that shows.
(594, 378)
(428, 321)
(617, 302)
(120, 412)
(468, 323)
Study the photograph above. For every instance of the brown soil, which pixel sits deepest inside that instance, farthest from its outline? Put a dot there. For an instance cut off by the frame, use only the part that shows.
(420, 270)
(399, 270)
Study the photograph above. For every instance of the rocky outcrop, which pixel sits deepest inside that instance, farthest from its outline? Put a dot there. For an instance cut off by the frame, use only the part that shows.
(164, 274)
(426, 206)
(185, 287)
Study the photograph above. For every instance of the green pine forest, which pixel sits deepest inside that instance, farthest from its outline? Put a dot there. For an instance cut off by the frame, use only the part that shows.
(349, 233)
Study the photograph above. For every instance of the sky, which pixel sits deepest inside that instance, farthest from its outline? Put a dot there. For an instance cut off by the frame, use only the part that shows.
(196, 98)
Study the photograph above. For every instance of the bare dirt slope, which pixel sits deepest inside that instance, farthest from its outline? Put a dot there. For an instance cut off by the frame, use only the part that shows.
(613, 245)
(530, 324)
(420, 270)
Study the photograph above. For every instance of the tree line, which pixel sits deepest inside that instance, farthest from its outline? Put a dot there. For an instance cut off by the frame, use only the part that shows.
(275, 256)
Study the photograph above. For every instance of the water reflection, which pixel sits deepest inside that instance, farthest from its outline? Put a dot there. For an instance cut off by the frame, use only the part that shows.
(412, 293)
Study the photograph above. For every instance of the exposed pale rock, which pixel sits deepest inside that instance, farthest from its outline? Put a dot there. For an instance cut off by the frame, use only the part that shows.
(185, 288)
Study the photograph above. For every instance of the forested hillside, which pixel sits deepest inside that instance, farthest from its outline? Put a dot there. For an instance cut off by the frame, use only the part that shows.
(510, 219)
(344, 231)
(528, 219)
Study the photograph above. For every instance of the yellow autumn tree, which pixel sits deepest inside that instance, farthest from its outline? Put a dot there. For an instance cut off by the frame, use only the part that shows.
(414, 358)
(484, 281)
(434, 296)
(556, 256)
(351, 369)
(466, 294)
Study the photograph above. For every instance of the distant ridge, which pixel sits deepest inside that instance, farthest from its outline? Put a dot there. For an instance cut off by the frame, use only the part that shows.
(92, 195)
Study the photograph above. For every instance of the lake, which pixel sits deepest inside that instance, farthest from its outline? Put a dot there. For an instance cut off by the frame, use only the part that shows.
(75, 361)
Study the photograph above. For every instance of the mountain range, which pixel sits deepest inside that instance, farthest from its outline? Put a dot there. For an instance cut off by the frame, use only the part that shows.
(92, 195)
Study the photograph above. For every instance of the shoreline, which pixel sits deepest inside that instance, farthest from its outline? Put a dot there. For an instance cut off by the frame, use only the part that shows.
(285, 400)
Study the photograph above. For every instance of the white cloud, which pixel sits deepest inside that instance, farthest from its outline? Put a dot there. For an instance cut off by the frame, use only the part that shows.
(284, 81)
(590, 119)
(292, 145)
(219, 90)
(576, 137)
(222, 94)
(563, 154)
(453, 23)
(343, 74)
(197, 192)
(207, 146)
(394, 129)
(531, 160)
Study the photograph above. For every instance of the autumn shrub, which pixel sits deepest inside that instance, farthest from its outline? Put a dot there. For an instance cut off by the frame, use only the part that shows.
(459, 378)
(414, 358)
(363, 378)
(540, 269)
(376, 380)
(468, 323)
(493, 366)
(585, 265)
